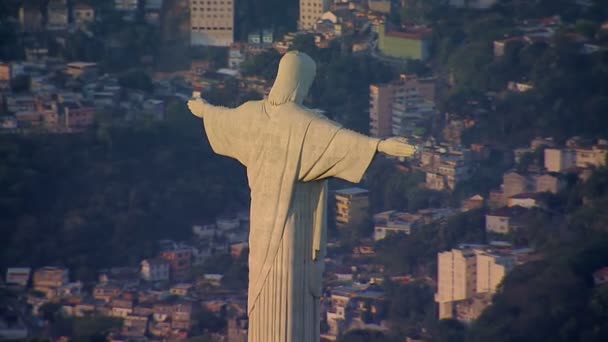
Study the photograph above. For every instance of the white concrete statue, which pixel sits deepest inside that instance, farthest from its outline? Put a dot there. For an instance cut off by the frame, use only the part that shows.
(289, 152)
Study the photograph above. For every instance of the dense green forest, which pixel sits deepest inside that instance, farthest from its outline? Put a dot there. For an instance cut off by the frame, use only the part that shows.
(570, 87)
(103, 198)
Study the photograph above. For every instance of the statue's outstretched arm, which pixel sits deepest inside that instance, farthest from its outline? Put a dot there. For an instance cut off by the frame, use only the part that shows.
(397, 147)
(197, 106)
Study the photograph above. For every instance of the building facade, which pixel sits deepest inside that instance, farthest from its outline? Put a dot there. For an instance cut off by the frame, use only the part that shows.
(212, 22)
(401, 107)
(467, 277)
(456, 279)
(51, 277)
(562, 160)
(491, 269)
(180, 262)
(380, 109)
(352, 206)
(154, 270)
(310, 12)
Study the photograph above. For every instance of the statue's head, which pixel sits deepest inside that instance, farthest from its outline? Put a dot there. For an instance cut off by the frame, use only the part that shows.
(294, 78)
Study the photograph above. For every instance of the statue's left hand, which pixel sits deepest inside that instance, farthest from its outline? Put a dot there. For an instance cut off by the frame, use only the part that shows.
(397, 147)
(197, 107)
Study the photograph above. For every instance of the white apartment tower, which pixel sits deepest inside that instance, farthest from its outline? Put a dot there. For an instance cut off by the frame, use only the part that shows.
(311, 11)
(456, 278)
(491, 269)
(466, 272)
(212, 22)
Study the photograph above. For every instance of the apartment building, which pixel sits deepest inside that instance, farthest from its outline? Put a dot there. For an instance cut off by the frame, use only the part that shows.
(51, 277)
(562, 160)
(310, 12)
(154, 269)
(456, 278)
(402, 106)
(491, 270)
(393, 222)
(413, 104)
(212, 22)
(352, 206)
(381, 109)
(468, 276)
(180, 262)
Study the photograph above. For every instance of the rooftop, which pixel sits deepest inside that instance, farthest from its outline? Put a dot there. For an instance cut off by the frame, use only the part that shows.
(411, 32)
(352, 191)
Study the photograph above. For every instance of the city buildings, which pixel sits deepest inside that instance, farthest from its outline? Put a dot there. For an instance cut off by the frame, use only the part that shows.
(310, 12)
(212, 22)
(395, 222)
(51, 277)
(566, 159)
(349, 304)
(84, 70)
(392, 222)
(180, 262)
(380, 110)
(154, 269)
(352, 206)
(504, 220)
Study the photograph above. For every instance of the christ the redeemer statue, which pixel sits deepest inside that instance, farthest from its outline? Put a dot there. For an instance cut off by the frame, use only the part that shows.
(289, 152)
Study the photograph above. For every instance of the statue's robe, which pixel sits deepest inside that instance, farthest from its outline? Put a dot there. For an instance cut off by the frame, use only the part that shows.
(289, 153)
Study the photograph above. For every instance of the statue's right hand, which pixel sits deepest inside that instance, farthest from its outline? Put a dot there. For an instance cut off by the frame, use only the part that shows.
(197, 107)
(397, 147)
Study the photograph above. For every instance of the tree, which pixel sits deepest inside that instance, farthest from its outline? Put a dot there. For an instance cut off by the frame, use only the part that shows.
(363, 336)
(136, 79)
(418, 11)
(50, 311)
(450, 330)
(305, 43)
(264, 64)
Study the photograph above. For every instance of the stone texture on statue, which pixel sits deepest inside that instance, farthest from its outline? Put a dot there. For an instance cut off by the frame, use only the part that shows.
(289, 152)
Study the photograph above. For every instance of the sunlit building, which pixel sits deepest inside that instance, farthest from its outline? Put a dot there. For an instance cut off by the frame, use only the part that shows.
(212, 22)
(467, 277)
(380, 109)
(565, 159)
(401, 107)
(352, 206)
(311, 11)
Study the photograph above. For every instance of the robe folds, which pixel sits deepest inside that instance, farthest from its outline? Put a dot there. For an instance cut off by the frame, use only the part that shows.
(289, 152)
